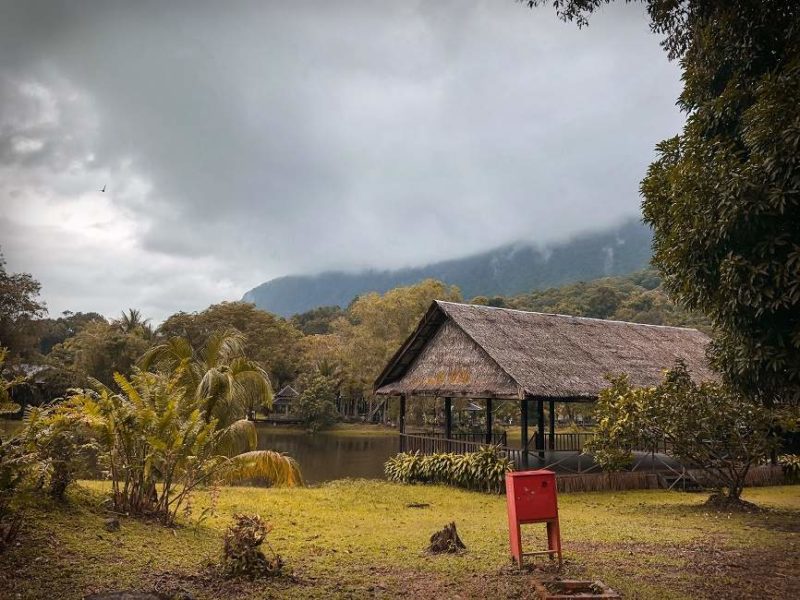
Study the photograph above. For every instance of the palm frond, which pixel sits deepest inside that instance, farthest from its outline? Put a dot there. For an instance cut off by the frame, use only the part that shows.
(98, 385)
(170, 353)
(128, 388)
(253, 381)
(238, 437)
(222, 346)
(279, 469)
(223, 398)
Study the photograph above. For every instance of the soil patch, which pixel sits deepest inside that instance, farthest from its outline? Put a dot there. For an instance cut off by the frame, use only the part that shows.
(367, 582)
(715, 569)
(723, 503)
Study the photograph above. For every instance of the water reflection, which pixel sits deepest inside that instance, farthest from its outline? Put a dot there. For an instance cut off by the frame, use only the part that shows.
(322, 456)
(328, 456)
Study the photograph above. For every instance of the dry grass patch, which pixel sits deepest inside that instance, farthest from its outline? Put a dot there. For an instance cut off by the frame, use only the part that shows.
(360, 539)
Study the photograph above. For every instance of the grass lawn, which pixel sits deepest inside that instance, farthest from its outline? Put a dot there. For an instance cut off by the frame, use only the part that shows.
(356, 539)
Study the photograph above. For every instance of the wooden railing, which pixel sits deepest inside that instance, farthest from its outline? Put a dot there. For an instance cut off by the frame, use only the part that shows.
(425, 444)
(471, 442)
(498, 438)
(567, 442)
(576, 441)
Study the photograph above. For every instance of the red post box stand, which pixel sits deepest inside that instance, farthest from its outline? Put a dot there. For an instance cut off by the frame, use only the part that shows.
(532, 498)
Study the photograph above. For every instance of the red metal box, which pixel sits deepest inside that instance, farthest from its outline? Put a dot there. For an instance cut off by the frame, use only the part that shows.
(531, 496)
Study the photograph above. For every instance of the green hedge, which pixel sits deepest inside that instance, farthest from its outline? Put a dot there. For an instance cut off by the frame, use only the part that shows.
(484, 470)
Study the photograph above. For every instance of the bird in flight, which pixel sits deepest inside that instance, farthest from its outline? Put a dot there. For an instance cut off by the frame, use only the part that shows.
(104, 189)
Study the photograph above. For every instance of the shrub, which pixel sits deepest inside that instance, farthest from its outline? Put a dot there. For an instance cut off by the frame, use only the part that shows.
(15, 463)
(790, 463)
(317, 404)
(708, 425)
(157, 445)
(153, 440)
(483, 470)
(13, 468)
(7, 404)
(62, 445)
(242, 554)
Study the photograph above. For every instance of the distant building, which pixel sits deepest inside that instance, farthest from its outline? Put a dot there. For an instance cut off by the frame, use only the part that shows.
(283, 404)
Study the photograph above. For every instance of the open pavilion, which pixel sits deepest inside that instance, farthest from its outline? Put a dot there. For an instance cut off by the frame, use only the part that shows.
(485, 353)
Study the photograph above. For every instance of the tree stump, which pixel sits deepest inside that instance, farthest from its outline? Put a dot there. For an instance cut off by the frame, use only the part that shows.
(446, 541)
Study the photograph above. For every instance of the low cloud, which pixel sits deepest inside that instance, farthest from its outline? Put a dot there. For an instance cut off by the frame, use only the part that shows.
(243, 141)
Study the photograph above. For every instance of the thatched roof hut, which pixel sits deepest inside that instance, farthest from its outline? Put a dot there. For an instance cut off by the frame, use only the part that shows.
(485, 352)
(287, 392)
(286, 396)
(461, 350)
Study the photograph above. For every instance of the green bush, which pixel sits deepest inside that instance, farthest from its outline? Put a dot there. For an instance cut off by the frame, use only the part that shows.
(484, 470)
(790, 463)
(317, 404)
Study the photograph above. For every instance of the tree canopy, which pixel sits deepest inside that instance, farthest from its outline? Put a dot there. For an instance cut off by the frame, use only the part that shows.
(268, 339)
(19, 306)
(638, 298)
(376, 325)
(723, 196)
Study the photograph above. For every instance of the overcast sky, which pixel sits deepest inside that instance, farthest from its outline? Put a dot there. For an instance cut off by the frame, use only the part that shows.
(240, 141)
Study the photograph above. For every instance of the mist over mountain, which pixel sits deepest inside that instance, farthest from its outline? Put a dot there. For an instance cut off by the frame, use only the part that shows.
(506, 270)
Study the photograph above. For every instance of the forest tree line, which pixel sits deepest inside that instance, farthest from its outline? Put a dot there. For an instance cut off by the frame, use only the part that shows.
(347, 346)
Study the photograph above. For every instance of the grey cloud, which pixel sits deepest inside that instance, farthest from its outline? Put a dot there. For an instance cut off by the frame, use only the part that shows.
(267, 138)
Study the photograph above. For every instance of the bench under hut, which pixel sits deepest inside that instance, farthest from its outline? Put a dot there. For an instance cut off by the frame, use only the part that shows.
(486, 353)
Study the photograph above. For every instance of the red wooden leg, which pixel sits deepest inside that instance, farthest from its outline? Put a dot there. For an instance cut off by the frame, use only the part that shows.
(554, 538)
(515, 539)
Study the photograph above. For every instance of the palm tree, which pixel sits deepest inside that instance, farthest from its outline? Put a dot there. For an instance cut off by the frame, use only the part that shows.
(132, 322)
(230, 387)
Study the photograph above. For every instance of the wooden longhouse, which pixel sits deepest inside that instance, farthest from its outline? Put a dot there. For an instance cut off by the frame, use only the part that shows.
(487, 353)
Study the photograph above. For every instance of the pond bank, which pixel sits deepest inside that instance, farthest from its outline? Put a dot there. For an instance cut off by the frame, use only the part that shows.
(361, 539)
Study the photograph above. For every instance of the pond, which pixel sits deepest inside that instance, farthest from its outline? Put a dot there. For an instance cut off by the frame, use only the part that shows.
(332, 455)
(323, 456)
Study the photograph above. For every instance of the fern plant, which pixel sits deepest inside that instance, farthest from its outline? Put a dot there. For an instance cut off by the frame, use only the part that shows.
(483, 470)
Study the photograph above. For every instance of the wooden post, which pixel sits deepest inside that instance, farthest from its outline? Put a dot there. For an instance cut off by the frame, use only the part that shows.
(402, 423)
(488, 420)
(448, 421)
(524, 425)
(552, 425)
(540, 426)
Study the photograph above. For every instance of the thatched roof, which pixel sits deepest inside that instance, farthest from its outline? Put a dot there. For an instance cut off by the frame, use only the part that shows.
(480, 351)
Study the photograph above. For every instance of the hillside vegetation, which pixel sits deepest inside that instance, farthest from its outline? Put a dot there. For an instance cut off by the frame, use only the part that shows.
(507, 270)
(639, 298)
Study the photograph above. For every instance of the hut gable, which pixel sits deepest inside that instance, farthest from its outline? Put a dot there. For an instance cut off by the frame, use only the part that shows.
(452, 363)
(554, 356)
(286, 395)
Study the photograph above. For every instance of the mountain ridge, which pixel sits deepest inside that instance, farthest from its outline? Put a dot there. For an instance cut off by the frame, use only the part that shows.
(505, 270)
